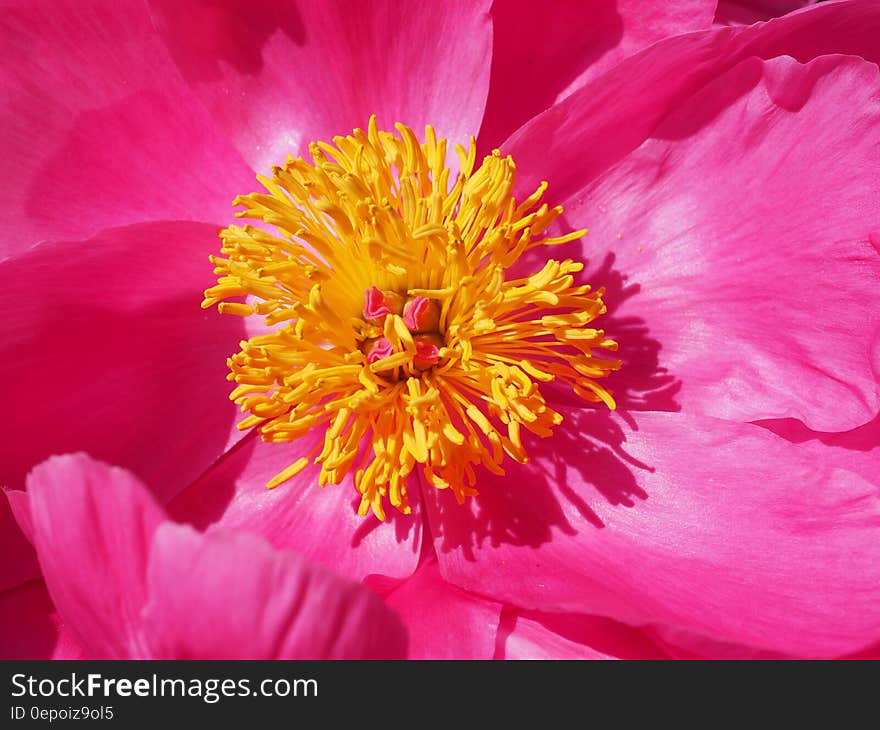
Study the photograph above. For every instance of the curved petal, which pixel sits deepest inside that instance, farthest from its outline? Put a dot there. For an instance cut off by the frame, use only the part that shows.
(443, 621)
(683, 644)
(99, 129)
(19, 559)
(127, 585)
(744, 226)
(566, 47)
(687, 645)
(320, 524)
(571, 636)
(284, 607)
(745, 12)
(110, 353)
(277, 76)
(93, 526)
(583, 134)
(719, 528)
(857, 450)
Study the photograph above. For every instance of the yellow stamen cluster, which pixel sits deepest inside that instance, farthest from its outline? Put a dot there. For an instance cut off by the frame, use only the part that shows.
(377, 209)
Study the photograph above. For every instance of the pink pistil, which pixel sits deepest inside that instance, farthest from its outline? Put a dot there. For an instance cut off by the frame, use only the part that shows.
(427, 350)
(421, 314)
(379, 304)
(378, 349)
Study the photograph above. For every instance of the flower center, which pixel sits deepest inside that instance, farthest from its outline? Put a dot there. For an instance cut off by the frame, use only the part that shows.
(419, 335)
(395, 327)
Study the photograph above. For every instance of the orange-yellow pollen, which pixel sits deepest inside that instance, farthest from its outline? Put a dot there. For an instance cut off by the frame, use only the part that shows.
(394, 328)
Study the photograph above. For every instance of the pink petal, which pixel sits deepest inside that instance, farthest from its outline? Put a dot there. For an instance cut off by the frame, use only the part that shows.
(683, 644)
(719, 528)
(745, 12)
(320, 524)
(19, 559)
(443, 621)
(687, 645)
(871, 653)
(568, 46)
(29, 626)
(570, 636)
(93, 525)
(97, 530)
(742, 229)
(857, 450)
(283, 608)
(99, 129)
(583, 135)
(278, 76)
(110, 353)
(67, 646)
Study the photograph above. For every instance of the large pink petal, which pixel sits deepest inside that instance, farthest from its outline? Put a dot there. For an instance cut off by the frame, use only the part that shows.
(93, 526)
(613, 114)
(321, 524)
(110, 353)
(279, 75)
(568, 45)
(282, 607)
(742, 227)
(571, 636)
(99, 129)
(443, 621)
(19, 559)
(719, 528)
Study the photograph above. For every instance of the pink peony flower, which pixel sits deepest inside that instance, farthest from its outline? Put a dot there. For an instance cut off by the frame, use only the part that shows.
(728, 181)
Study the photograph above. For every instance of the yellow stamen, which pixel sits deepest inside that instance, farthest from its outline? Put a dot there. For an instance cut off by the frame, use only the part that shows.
(375, 210)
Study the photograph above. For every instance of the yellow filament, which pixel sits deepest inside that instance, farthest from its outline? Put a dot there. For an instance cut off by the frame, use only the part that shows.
(376, 208)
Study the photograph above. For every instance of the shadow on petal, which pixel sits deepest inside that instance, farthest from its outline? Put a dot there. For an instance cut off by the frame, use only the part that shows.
(533, 500)
(642, 383)
(404, 525)
(204, 35)
(321, 523)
